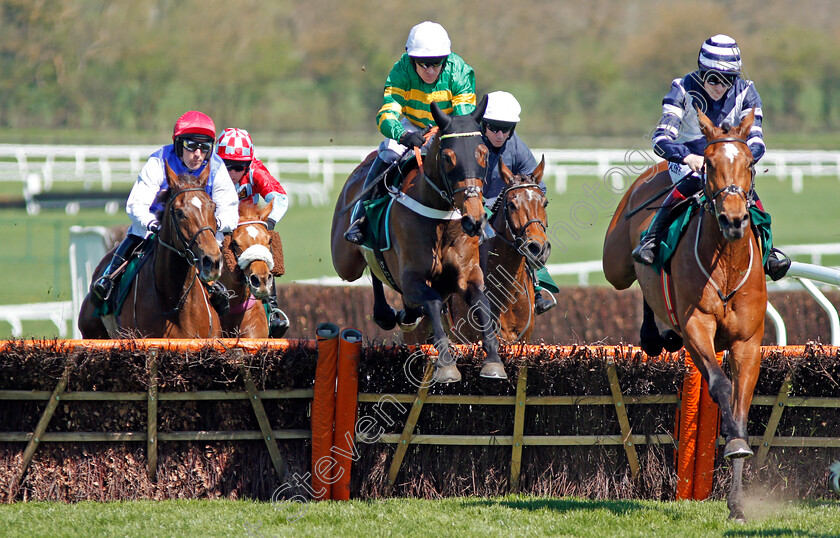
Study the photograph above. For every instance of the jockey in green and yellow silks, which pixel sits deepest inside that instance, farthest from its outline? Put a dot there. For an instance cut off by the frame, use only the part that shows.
(428, 72)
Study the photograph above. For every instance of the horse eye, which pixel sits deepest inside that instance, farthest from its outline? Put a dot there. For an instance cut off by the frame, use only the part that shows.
(545, 204)
(179, 214)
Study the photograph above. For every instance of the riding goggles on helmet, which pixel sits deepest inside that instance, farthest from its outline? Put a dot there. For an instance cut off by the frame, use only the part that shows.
(503, 128)
(192, 145)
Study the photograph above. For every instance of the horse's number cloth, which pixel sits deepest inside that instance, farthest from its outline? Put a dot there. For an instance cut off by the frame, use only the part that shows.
(114, 305)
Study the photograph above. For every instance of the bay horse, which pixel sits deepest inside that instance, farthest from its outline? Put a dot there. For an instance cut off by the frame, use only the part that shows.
(435, 220)
(166, 298)
(720, 295)
(519, 247)
(251, 259)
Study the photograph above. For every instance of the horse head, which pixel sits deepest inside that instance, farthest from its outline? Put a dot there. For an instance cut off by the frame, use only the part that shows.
(457, 161)
(729, 174)
(249, 250)
(521, 207)
(188, 223)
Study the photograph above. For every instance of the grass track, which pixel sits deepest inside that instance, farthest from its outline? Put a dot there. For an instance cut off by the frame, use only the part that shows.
(503, 516)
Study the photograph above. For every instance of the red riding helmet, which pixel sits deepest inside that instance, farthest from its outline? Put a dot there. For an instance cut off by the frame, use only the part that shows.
(194, 122)
(235, 145)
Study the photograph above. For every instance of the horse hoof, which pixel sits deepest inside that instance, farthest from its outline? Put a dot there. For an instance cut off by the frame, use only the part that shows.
(651, 349)
(737, 448)
(737, 516)
(447, 374)
(387, 322)
(493, 370)
(407, 325)
(671, 341)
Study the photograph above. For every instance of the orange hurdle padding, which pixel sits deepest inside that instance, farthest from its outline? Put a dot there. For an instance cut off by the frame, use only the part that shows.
(688, 419)
(698, 422)
(323, 411)
(346, 400)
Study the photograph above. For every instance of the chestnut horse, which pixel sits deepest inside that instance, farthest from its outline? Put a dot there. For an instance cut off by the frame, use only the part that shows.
(166, 298)
(433, 227)
(719, 290)
(252, 259)
(519, 247)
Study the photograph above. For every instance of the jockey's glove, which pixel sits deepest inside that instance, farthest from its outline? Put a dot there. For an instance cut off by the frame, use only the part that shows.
(412, 139)
(270, 223)
(154, 227)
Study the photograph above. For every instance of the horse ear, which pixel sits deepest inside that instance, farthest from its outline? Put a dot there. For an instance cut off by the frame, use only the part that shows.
(266, 211)
(478, 113)
(204, 175)
(706, 125)
(746, 124)
(172, 177)
(441, 119)
(537, 174)
(506, 174)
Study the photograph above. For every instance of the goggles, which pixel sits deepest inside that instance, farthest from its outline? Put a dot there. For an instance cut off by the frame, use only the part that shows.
(192, 145)
(236, 166)
(494, 128)
(427, 63)
(718, 79)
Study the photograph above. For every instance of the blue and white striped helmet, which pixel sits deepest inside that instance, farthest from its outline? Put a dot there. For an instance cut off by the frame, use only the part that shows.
(721, 54)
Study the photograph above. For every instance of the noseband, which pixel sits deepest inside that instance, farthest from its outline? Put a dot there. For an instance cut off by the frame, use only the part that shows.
(448, 193)
(730, 189)
(518, 240)
(187, 246)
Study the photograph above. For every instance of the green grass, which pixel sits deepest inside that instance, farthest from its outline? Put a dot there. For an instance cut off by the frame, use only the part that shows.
(502, 516)
(34, 262)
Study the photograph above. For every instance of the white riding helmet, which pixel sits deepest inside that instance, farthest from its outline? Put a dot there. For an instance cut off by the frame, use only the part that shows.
(502, 107)
(428, 40)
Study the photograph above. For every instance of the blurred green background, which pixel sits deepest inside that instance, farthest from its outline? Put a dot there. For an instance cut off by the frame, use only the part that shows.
(294, 73)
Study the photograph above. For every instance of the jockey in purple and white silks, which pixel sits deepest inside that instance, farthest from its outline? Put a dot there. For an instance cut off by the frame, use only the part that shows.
(191, 152)
(725, 97)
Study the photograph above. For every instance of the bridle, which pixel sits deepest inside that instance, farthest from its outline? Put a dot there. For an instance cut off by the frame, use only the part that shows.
(518, 240)
(187, 246)
(728, 190)
(448, 192)
(185, 253)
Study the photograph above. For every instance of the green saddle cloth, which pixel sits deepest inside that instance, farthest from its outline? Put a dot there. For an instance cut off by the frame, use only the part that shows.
(123, 283)
(758, 219)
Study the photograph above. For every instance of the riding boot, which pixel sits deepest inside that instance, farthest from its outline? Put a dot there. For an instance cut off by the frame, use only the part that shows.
(645, 251)
(776, 267)
(219, 297)
(541, 304)
(355, 233)
(104, 285)
(278, 323)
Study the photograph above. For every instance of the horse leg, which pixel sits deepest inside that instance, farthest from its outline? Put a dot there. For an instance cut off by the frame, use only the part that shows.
(735, 499)
(409, 318)
(493, 367)
(651, 341)
(419, 292)
(383, 314)
(700, 346)
(744, 360)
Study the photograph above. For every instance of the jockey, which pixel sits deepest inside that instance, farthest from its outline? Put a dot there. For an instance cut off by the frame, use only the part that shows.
(252, 180)
(190, 152)
(498, 128)
(428, 71)
(718, 89)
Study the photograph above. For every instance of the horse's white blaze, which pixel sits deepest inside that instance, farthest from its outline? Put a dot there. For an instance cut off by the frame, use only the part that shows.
(731, 151)
(252, 231)
(196, 202)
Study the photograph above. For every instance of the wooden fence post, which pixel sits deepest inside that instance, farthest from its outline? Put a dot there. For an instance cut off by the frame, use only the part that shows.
(775, 417)
(621, 411)
(518, 429)
(44, 421)
(410, 423)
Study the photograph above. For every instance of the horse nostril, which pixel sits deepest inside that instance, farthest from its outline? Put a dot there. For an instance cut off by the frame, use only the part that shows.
(253, 281)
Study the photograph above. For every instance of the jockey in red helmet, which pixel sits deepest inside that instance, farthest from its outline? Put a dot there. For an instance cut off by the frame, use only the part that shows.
(253, 180)
(190, 152)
